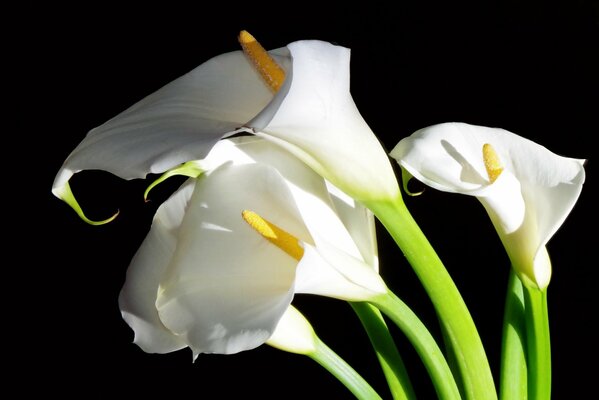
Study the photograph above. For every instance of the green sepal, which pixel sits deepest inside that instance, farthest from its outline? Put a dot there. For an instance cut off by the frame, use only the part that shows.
(406, 177)
(191, 169)
(66, 195)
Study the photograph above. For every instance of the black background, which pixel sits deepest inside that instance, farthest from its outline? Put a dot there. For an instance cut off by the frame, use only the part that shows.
(529, 67)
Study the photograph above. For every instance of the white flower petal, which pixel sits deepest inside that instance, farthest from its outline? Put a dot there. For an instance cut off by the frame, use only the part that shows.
(314, 117)
(551, 185)
(444, 157)
(504, 203)
(138, 295)
(179, 122)
(293, 333)
(359, 222)
(227, 287)
(327, 271)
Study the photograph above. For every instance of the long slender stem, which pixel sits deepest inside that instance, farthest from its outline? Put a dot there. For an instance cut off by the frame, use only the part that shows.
(513, 372)
(452, 360)
(538, 344)
(326, 357)
(386, 351)
(454, 315)
(423, 342)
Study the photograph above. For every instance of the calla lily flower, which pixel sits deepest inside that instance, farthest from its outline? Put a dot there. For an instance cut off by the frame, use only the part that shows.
(208, 276)
(527, 190)
(312, 115)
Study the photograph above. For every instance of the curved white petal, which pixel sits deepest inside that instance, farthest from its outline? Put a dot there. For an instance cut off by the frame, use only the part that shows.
(227, 287)
(359, 222)
(177, 123)
(314, 117)
(327, 271)
(504, 203)
(448, 157)
(137, 299)
(293, 333)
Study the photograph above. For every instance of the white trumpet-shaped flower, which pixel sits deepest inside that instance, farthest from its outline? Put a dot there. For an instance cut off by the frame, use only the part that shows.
(228, 251)
(301, 101)
(527, 190)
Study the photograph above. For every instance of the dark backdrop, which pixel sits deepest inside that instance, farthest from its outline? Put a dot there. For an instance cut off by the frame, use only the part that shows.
(529, 67)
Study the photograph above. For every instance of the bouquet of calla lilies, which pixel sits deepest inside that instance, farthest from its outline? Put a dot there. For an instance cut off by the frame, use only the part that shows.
(285, 180)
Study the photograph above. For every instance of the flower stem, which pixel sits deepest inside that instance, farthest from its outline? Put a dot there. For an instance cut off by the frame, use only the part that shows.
(451, 309)
(423, 342)
(326, 357)
(386, 351)
(538, 344)
(513, 372)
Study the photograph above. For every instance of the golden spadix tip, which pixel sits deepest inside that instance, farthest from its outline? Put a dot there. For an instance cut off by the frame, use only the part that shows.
(277, 236)
(492, 162)
(271, 72)
(246, 37)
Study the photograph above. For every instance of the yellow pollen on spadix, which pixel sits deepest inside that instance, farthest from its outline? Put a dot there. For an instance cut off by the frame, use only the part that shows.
(492, 162)
(271, 72)
(277, 236)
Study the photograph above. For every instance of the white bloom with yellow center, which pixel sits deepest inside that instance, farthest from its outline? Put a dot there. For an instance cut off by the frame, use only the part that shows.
(228, 251)
(527, 190)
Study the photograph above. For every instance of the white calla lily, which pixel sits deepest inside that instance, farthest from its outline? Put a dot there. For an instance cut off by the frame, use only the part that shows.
(527, 202)
(215, 284)
(312, 115)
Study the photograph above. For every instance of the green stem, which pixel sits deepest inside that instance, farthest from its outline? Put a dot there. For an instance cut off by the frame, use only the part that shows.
(423, 342)
(451, 309)
(513, 372)
(386, 351)
(538, 344)
(452, 360)
(342, 371)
